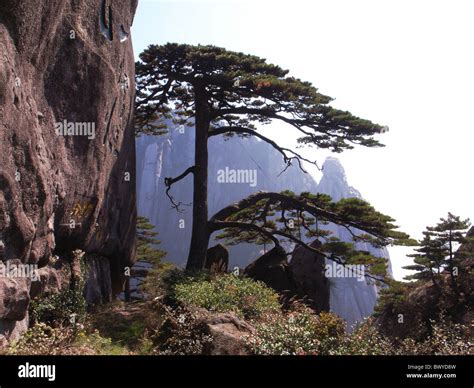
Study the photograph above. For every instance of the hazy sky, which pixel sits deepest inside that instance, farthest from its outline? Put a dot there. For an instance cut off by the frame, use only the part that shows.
(405, 64)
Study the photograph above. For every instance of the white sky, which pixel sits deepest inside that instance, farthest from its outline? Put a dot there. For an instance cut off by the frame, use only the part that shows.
(405, 64)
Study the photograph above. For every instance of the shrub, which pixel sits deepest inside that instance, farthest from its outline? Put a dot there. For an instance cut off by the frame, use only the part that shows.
(228, 293)
(180, 334)
(60, 308)
(296, 333)
(161, 281)
(391, 298)
(42, 339)
(67, 305)
(94, 343)
(364, 340)
(447, 338)
(330, 330)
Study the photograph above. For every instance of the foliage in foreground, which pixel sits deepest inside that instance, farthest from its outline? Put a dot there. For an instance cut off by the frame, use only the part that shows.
(59, 308)
(303, 333)
(228, 293)
(66, 305)
(447, 338)
(181, 334)
(42, 339)
(296, 333)
(176, 328)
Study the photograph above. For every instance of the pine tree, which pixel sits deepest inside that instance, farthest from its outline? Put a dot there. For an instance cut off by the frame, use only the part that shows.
(282, 217)
(451, 232)
(428, 261)
(147, 242)
(225, 93)
(438, 252)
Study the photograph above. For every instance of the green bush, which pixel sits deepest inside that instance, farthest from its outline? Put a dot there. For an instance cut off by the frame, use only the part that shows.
(93, 343)
(64, 307)
(296, 333)
(393, 297)
(60, 308)
(162, 279)
(228, 293)
(40, 339)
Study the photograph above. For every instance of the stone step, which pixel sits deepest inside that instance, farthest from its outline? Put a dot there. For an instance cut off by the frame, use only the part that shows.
(139, 272)
(143, 264)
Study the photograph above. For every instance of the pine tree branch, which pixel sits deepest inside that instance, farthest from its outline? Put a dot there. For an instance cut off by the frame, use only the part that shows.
(282, 150)
(297, 204)
(169, 182)
(219, 225)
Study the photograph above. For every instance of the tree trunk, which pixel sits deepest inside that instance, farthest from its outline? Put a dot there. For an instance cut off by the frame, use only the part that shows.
(451, 263)
(435, 283)
(200, 231)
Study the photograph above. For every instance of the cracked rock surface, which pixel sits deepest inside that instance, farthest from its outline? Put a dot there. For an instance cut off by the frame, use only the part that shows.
(57, 66)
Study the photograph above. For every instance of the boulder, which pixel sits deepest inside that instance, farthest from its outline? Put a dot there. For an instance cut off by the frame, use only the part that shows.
(97, 282)
(3, 342)
(48, 281)
(308, 270)
(217, 259)
(12, 330)
(272, 269)
(422, 303)
(228, 334)
(14, 298)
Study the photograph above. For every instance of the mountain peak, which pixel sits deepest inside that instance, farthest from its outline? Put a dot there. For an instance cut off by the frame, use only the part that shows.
(333, 167)
(334, 181)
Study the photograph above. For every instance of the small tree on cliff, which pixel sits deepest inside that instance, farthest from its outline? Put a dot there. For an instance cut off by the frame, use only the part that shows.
(451, 232)
(221, 92)
(147, 242)
(439, 250)
(428, 260)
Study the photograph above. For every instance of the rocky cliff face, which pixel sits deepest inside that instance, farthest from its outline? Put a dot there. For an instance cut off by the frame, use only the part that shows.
(170, 155)
(67, 152)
